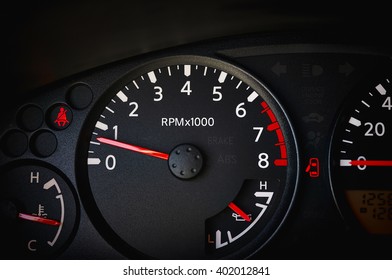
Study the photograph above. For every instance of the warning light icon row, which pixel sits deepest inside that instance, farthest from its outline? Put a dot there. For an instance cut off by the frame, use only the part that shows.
(31, 117)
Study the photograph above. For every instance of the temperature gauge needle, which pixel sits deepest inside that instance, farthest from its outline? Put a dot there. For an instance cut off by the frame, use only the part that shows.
(238, 211)
(37, 219)
(133, 148)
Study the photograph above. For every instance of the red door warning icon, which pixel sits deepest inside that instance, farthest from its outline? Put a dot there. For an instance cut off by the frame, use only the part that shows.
(313, 168)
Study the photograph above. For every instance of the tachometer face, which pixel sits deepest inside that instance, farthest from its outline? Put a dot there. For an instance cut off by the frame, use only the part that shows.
(189, 157)
(361, 156)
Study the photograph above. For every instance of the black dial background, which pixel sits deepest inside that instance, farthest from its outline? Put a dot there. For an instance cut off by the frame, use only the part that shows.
(140, 206)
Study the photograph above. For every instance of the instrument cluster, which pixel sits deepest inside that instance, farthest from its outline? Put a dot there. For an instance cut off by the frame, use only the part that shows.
(256, 147)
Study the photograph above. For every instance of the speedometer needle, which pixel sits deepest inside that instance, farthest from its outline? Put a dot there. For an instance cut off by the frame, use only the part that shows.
(133, 148)
(371, 162)
(37, 219)
(238, 211)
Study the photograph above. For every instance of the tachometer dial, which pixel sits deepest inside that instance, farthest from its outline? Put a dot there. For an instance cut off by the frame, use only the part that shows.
(361, 156)
(176, 142)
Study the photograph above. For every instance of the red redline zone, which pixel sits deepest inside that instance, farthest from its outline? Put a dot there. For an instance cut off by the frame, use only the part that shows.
(274, 126)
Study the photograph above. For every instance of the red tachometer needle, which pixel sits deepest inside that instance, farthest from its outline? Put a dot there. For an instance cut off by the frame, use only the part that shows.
(371, 162)
(133, 148)
(37, 219)
(238, 211)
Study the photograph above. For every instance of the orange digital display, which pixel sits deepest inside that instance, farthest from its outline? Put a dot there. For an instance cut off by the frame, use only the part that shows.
(373, 209)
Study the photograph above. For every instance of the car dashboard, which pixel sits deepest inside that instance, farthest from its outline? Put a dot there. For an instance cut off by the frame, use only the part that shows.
(253, 134)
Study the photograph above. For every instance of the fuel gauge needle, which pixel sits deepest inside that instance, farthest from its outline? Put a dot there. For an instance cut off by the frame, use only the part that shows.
(238, 211)
(133, 148)
(37, 219)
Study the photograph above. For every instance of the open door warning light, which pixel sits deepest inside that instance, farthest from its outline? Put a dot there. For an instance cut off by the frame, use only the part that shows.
(313, 168)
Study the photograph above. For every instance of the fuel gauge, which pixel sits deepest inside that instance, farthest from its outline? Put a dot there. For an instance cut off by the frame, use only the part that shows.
(38, 212)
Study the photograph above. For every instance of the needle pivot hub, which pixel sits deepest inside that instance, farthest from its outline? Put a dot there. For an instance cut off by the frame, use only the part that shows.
(185, 161)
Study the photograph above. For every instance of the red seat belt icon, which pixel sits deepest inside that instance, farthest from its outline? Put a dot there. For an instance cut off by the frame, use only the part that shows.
(61, 119)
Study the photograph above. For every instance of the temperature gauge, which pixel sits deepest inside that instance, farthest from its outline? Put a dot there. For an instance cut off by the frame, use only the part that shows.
(38, 211)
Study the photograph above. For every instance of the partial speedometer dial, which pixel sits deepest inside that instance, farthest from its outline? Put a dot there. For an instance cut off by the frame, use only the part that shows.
(361, 156)
(189, 157)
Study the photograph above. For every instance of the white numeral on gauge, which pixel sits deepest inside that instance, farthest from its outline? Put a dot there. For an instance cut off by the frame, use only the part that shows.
(158, 93)
(217, 94)
(135, 107)
(240, 110)
(187, 88)
(377, 129)
(259, 131)
(263, 160)
(110, 162)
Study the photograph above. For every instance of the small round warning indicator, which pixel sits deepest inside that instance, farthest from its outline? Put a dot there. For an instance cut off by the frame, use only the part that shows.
(59, 117)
